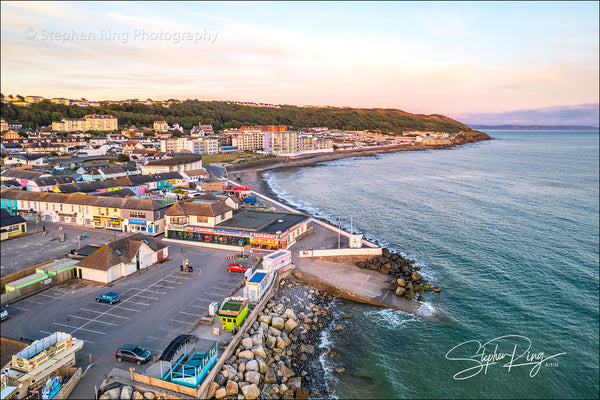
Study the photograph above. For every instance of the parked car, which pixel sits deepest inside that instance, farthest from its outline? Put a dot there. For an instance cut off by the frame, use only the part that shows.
(3, 314)
(110, 297)
(235, 267)
(131, 352)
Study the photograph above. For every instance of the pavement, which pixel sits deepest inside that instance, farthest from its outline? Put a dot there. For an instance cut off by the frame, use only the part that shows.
(156, 305)
(32, 248)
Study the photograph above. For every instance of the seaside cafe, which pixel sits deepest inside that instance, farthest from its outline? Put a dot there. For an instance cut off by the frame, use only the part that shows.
(214, 223)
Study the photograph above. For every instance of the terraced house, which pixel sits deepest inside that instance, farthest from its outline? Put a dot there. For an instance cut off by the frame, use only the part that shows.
(94, 212)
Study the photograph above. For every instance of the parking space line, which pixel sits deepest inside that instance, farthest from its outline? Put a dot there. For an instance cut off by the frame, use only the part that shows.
(136, 302)
(93, 319)
(78, 329)
(146, 297)
(166, 280)
(33, 301)
(153, 291)
(127, 309)
(193, 305)
(185, 312)
(102, 312)
(19, 307)
(181, 322)
(217, 294)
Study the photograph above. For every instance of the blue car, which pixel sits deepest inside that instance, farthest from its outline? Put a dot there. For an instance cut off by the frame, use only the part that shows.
(110, 297)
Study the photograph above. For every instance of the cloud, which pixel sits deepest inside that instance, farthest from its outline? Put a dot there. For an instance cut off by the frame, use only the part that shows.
(580, 114)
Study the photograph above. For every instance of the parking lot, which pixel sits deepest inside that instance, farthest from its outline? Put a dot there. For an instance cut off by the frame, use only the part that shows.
(156, 306)
(25, 251)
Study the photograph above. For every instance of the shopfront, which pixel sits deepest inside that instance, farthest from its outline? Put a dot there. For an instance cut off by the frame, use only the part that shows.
(209, 235)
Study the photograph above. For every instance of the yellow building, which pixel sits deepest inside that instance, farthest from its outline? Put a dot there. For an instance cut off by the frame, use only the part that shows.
(284, 142)
(33, 99)
(93, 122)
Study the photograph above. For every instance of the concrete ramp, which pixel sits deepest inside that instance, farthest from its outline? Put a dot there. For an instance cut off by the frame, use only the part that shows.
(353, 283)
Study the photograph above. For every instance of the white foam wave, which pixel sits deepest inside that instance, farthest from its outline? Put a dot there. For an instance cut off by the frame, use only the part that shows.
(426, 310)
(391, 319)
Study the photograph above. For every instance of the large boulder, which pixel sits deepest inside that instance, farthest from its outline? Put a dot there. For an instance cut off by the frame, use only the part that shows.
(251, 392)
(401, 282)
(152, 396)
(247, 354)
(231, 388)
(290, 325)
(126, 393)
(270, 342)
(400, 291)
(280, 343)
(247, 343)
(252, 365)
(270, 375)
(416, 276)
(275, 331)
(212, 390)
(277, 323)
(265, 318)
(221, 393)
(302, 393)
(137, 395)
(289, 314)
(285, 371)
(262, 365)
(259, 351)
(295, 382)
(252, 377)
(229, 371)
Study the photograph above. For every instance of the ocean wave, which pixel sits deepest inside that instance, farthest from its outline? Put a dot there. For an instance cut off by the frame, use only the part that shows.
(391, 319)
(426, 310)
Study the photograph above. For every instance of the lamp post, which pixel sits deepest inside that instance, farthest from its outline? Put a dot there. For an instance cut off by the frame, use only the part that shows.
(339, 229)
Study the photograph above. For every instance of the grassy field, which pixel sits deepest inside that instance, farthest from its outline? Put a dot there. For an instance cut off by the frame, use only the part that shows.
(233, 158)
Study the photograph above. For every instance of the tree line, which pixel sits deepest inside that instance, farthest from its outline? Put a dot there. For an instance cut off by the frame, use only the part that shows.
(222, 115)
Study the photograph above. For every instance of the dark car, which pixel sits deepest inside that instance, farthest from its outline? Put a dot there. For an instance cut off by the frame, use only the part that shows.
(110, 297)
(131, 352)
(235, 267)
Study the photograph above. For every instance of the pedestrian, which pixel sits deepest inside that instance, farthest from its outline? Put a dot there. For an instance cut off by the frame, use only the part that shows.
(44, 228)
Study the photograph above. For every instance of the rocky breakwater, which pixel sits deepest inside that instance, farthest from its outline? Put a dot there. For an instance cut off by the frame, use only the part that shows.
(278, 356)
(406, 280)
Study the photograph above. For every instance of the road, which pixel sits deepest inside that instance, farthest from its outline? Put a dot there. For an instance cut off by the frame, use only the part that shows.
(156, 306)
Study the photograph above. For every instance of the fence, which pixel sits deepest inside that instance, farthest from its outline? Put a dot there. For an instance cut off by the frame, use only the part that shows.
(38, 286)
(174, 387)
(202, 391)
(371, 252)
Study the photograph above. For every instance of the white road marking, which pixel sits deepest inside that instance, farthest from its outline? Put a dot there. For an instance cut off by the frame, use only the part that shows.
(92, 320)
(184, 312)
(78, 329)
(181, 322)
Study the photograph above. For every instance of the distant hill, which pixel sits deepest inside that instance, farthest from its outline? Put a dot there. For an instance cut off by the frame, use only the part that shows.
(222, 115)
(536, 127)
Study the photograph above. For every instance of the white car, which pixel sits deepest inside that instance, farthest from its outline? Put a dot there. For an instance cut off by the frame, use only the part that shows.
(3, 314)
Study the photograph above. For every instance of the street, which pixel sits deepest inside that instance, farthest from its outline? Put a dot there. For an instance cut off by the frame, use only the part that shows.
(155, 306)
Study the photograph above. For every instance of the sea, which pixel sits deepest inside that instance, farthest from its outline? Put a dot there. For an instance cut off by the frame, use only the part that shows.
(508, 228)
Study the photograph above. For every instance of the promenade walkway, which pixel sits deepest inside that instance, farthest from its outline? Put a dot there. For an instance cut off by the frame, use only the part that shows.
(343, 279)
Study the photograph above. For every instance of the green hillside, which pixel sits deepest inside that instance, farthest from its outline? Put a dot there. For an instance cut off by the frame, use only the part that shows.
(222, 116)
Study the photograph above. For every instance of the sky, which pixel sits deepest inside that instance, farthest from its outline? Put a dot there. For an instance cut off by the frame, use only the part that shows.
(461, 59)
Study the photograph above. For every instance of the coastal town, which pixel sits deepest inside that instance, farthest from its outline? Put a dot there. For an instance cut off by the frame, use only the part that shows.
(95, 212)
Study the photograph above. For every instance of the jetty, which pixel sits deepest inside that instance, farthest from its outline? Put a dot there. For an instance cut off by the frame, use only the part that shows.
(325, 260)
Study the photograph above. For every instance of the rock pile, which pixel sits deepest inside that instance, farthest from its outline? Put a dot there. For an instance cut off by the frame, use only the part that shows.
(406, 281)
(276, 354)
(117, 391)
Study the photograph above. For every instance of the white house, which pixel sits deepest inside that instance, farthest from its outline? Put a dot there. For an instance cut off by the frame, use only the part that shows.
(121, 258)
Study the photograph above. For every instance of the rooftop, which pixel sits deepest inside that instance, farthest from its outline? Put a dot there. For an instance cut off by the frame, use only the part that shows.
(263, 221)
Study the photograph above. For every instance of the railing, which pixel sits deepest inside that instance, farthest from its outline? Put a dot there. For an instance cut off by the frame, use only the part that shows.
(163, 384)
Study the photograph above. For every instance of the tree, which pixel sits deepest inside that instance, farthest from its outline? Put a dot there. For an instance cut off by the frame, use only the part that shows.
(123, 158)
